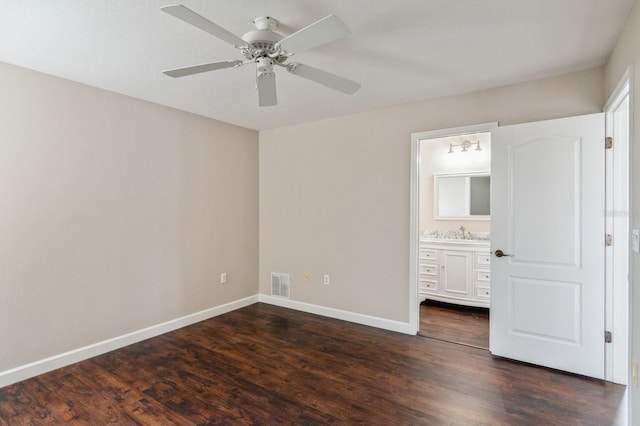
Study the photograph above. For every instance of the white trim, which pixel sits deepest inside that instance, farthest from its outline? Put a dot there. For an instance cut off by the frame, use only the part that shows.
(620, 91)
(386, 324)
(618, 221)
(455, 131)
(414, 209)
(414, 235)
(33, 369)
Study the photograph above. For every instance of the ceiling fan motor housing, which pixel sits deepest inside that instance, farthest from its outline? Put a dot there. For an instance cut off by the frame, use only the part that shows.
(262, 41)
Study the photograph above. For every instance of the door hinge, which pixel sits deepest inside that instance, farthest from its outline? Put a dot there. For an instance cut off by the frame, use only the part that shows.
(608, 240)
(608, 142)
(607, 337)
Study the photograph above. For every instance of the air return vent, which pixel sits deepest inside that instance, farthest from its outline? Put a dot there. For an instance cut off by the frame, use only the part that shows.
(280, 284)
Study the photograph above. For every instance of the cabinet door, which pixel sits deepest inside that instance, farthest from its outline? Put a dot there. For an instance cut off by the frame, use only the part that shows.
(456, 273)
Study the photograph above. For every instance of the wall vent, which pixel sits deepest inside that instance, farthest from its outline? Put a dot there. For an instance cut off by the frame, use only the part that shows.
(280, 284)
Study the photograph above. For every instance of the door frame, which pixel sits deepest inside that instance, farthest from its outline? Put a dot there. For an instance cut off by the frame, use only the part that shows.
(414, 209)
(618, 223)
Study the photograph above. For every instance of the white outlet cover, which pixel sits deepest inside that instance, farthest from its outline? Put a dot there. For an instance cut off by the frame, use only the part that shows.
(635, 240)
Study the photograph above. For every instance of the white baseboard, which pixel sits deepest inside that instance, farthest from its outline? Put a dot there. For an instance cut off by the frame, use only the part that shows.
(386, 324)
(33, 369)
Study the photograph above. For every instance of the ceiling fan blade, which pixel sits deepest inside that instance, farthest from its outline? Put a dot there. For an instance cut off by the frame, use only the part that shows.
(196, 69)
(267, 89)
(323, 31)
(325, 78)
(190, 17)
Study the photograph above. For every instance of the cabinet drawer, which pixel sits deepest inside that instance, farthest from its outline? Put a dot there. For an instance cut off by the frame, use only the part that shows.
(428, 254)
(483, 259)
(428, 286)
(429, 269)
(483, 292)
(484, 276)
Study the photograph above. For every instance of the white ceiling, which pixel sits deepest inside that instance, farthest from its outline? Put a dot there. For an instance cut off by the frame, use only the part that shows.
(400, 51)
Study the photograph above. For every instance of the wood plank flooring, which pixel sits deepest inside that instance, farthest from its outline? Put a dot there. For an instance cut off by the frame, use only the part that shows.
(273, 366)
(453, 323)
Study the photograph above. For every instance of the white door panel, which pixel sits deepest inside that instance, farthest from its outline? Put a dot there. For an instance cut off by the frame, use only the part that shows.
(561, 322)
(547, 295)
(554, 164)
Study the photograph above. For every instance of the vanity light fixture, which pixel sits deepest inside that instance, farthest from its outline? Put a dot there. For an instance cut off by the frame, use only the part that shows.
(465, 146)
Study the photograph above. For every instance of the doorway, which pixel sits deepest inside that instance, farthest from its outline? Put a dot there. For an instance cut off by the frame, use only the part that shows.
(453, 229)
(617, 289)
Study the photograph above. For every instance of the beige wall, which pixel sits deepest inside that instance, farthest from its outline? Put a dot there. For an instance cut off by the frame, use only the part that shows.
(115, 215)
(334, 194)
(626, 53)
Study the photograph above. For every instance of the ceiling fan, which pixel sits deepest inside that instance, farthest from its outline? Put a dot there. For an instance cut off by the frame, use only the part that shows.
(266, 48)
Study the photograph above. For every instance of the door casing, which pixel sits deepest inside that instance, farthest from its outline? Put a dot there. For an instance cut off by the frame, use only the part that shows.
(618, 205)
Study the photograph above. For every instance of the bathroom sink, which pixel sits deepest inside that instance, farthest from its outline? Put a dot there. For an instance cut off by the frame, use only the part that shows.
(454, 241)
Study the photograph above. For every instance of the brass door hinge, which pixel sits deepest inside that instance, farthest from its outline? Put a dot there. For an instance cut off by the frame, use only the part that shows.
(608, 142)
(607, 337)
(608, 240)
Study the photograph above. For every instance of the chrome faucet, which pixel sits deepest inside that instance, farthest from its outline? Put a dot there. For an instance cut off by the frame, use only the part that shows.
(462, 229)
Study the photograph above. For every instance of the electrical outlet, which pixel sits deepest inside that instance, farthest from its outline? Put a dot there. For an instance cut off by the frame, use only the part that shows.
(327, 280)
(634, 372)
(306, 277)
(223, 278)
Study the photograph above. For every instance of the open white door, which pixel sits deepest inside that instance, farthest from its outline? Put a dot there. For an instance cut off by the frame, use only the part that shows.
(547, 217)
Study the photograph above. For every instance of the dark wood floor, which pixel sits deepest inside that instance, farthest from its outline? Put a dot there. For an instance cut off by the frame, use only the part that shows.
(268, 365)
(455, 323)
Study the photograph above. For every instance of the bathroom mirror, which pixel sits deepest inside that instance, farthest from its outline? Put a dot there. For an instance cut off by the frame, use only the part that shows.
(462, 196)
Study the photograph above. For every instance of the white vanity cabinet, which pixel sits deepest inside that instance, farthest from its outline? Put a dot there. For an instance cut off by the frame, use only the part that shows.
(455, 271)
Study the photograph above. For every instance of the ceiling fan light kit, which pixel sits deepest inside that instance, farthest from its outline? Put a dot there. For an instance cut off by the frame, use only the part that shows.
(266, 48)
